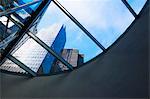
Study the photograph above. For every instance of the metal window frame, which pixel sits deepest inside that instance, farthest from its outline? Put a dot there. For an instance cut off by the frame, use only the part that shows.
(21, 65)
(13, 59)
(45, 46)
(79, 24)
(129, 8)
(12, 10)
(34, 37)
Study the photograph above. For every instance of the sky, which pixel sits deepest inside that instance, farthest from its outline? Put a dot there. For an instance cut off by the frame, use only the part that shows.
(106, 20)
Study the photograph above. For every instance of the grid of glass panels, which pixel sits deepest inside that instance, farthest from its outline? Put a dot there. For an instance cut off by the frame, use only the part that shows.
(100, 26)
(12, 23)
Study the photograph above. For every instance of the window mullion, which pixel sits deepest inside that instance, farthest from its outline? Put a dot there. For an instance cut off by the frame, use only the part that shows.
(79, 25)
(21, 65)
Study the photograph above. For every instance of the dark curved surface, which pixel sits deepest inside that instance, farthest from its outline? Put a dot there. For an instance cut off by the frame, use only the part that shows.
(121, 72)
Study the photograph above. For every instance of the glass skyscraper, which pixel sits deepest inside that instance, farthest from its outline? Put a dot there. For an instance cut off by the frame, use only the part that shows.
(90, 37)
(35, 56)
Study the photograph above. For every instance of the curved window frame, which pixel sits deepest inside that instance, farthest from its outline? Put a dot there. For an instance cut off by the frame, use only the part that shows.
(40, 42)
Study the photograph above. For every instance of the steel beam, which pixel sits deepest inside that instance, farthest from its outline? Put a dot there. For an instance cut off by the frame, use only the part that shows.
(27, 25)
(7, 40)
(8, 18)
(9, 11)
(21, 65)
(129, 8)
(19, 24)
(40, 42)
(79, 25)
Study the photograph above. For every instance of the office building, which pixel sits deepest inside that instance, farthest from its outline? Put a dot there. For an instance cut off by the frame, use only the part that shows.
(35, 56)
(72, 56)
(121, 71)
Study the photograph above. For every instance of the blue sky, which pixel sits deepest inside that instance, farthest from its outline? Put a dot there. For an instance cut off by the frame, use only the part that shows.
(106, 20)
(137, 4)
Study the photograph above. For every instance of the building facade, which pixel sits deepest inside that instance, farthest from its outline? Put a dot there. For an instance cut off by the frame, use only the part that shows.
(72, 56)
(35, 56)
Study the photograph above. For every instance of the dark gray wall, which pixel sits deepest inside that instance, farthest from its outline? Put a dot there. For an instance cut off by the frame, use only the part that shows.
(121, 72)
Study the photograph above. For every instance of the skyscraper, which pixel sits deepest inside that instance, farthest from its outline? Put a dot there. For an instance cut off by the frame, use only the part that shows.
(35, 56)
(72, 56)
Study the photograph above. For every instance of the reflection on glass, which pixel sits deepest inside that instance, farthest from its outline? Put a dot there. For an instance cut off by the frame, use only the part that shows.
(8, 32)
(33, 7)
(22, 13)
(136, 5)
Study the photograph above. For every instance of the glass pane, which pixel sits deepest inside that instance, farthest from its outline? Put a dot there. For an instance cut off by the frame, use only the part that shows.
(33, 7)
(33, 55)
(22, 13)
(8, 65)
(8, 31)
(59, 32)
(105, 19)
(137, 5)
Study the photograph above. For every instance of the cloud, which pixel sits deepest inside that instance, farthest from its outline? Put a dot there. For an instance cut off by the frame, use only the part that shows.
(99, 13)
(106, 20)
